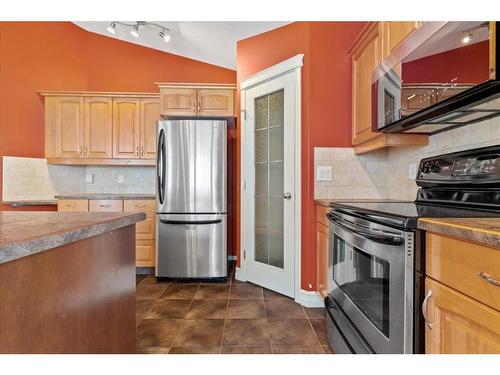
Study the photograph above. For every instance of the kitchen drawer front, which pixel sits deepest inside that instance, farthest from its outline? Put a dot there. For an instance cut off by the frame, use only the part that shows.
(106, 205)
(460, 264)
(145, 253)
(143, 205)
(321, 212)
(73, 205)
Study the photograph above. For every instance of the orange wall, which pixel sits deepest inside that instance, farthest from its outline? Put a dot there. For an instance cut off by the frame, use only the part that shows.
(326, 102)
(38, 56)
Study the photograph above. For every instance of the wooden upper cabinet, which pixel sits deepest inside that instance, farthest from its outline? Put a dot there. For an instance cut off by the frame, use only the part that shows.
(150, 114)
(213, 102)
(459, 324)
(178, 101)
(364, 60)
(126, 128)
(64, 127)
(98, 128)
(394, 32)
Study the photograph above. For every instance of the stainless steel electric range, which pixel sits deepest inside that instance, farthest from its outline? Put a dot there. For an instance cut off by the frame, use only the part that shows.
(376, 252)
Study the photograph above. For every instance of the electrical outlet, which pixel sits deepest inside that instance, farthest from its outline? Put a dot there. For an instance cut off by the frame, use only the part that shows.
(412, 171)
(324, 173)
(121, 179)
(89, 178)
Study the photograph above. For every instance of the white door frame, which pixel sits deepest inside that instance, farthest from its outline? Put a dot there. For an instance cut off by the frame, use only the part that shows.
(292, 65)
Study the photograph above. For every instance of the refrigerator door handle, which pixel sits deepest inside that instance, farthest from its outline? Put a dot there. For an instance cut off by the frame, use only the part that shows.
(186, 222)
(160, 165)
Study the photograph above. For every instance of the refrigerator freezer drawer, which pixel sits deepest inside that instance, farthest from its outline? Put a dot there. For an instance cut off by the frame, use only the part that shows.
(191, 246)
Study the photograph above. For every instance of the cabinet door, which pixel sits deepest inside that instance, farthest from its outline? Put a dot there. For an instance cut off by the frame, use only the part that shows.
(364, 62)
(98, 128)
(73, 205)
(178, 101)
(322, 235)
(145, 229)
(212, 102)
(126, 128)
(459, 324)
(64, 127)
(145, 253)
(150, 114)
(395, 32)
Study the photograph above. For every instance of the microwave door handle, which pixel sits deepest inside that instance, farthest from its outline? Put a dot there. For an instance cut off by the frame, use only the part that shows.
(386, 240)
(160, 165)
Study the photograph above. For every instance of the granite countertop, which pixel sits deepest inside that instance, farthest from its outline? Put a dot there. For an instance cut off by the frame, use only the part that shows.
(106, 196)
(485, 231)
(27, 233)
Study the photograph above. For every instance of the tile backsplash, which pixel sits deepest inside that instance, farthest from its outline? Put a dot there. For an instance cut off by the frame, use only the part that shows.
(384, 174)
(33, 179)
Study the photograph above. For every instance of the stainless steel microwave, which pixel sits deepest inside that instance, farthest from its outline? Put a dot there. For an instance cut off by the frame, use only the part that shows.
(441, 77)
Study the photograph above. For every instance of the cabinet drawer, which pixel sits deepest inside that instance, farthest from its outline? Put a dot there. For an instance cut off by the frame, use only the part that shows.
(143, 205)
(145, 253)
(457, 264)
(73, 205)
(321, 212)
(106, 205)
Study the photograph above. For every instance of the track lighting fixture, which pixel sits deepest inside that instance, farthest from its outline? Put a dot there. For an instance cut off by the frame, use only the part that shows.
(164, 33)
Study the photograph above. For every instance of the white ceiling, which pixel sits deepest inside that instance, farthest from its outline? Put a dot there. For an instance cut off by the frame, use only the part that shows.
(211, 42)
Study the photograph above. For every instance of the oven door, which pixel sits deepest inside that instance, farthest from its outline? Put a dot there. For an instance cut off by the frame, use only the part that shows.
(372, 281)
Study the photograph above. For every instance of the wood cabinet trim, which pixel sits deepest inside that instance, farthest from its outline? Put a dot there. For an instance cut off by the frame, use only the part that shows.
(229, 86)
(100, 94)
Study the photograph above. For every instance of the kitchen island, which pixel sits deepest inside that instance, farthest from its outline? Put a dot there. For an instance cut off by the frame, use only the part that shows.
(67, 282)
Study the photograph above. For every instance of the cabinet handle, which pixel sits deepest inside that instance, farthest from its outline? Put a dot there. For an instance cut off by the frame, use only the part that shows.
(142, 151)
(194, 106)
(424, 309)
(139, 205)
(199, 108)
(81, 151)
(137, 151)
(85, 151)
(488, 279)
(104, 205)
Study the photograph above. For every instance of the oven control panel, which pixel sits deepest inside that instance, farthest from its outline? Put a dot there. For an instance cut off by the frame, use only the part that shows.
(466, 167)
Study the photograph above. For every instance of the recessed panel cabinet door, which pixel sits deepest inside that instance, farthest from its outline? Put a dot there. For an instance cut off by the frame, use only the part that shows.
(215, 102)
(64, 127)
(178, 101)
(98, 128)
(457, 324)
(150, 114)
(395, 32)
(126, 128)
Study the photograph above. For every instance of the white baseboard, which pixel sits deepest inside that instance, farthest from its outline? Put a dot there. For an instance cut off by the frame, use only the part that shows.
(239, 274)
(309, 298)
(232, 257)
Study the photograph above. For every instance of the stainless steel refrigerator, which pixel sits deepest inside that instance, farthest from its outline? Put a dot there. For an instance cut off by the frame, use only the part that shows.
(191, 198)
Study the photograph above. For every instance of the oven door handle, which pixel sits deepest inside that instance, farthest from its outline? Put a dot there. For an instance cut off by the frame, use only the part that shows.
(386, 240)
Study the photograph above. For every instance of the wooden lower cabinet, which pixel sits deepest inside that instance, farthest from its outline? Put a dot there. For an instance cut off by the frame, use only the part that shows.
(322, 239)
(73, 205)
(145, 253)
(458, 323)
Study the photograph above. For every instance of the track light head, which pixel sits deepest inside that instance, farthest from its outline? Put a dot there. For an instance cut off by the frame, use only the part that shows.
(135, 31)
(164, 34)
(112, 28)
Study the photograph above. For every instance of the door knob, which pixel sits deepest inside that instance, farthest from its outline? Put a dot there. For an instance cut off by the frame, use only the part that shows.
(287, 196)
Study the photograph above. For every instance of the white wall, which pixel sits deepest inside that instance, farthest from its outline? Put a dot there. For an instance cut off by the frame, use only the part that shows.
(384, 174)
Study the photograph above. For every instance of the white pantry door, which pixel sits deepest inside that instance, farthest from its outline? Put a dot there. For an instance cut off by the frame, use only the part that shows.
(268, 191)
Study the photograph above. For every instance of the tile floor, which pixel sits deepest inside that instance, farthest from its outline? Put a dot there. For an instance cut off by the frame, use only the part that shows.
(230, 317)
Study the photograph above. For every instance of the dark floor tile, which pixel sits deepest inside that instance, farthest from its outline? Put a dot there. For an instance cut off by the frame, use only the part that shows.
(327, 349)
(142, 307)
(246, 349)
(207, 309)
(195, 350)
(295, 349)
(284, 309)
(246, 332)
(315, 312)
(147, 291)
(157, 332)
(292, 332)
(200, 333)
(272, 294)
(139, 278)
(319, 326)
(165, 308)
(212, 291)
(245, 291)
(180, 291)
(246, 309)
(153, 350)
